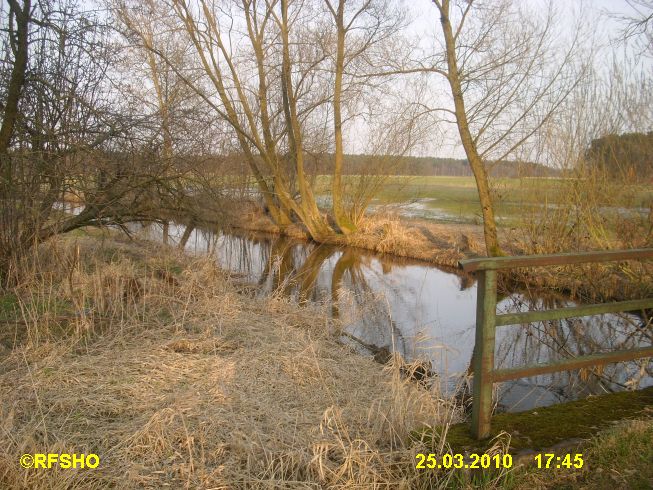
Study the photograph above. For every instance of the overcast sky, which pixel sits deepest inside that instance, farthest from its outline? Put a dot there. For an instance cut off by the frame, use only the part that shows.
(602, 16)
(604, 33)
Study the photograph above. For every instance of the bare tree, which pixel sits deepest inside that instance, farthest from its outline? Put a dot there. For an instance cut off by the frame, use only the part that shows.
(250, 118)
(638, 25)
(363, 29)
(72, 137)
(507, 76)
(279, 73)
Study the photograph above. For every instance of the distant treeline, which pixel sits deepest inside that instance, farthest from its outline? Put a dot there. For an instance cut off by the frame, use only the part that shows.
(626, 156)
(405, 165)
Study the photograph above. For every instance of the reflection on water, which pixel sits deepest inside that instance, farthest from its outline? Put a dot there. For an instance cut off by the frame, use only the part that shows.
(424, 312)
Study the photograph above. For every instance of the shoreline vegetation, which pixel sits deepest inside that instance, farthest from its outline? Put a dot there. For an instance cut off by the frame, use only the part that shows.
(536, 215)
(305, 119)
(152, 359)
(445, 244)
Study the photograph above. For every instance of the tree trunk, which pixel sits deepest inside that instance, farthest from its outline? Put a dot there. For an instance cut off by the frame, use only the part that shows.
(190, 227)
(343, 221)
(163, 106)
(478, 168)
(307, 208)
(17, 73)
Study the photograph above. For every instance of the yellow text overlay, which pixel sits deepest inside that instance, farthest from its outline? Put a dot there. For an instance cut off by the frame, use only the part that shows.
(63, 460)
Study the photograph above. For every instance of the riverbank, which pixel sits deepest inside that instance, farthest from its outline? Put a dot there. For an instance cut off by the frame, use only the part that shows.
(445, 244)
(442, 244)
(155, 362)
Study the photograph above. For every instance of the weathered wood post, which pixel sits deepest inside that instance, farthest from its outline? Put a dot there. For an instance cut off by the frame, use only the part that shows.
(487, 320)
(486, 303)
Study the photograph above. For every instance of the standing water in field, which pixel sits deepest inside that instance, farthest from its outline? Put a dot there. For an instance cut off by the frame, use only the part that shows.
(424, 313)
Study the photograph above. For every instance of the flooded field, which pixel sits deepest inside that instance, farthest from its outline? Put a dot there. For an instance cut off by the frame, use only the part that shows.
(423, 312)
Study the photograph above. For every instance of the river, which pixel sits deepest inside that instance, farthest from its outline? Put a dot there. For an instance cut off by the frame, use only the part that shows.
(423, 312)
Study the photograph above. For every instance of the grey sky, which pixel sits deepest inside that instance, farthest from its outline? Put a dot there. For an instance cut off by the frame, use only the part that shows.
(605, 30)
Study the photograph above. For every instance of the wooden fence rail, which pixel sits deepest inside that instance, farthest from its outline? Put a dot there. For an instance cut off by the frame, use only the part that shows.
(485, 375)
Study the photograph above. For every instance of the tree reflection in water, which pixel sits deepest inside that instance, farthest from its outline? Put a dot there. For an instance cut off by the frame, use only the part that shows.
(423, 312)
(547, 341)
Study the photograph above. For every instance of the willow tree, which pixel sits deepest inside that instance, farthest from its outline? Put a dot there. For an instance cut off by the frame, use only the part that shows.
(279, 73)
(237, 45)
(308, 211)
(360, 28)
(508, 71)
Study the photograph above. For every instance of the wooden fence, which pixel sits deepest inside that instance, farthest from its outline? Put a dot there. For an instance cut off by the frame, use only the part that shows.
(485, 375)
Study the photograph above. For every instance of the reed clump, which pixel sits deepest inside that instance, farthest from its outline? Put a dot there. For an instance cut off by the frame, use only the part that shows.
(589, 210)
(442, 244)
(153, 361)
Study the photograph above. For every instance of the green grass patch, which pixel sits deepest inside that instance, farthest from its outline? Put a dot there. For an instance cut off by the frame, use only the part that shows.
(616, 443)
(619, 457)
(457, 198)
(9, 307)
(545, 427)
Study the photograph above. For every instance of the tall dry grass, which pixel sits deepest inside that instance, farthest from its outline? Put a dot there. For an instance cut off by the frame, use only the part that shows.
(439, 243)
(589, 210)
(153, 361)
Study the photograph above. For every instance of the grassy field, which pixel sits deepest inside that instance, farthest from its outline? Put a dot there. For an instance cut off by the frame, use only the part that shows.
(458, 198)
(451, 199)
(455, 199)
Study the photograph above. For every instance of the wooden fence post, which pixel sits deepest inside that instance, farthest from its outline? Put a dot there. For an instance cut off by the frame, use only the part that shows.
(487, 320)
(486, 303)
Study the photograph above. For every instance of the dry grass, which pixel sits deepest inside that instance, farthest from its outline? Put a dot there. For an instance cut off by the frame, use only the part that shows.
(442, 244)
(593, 211)
(389, 233)
(153, 361)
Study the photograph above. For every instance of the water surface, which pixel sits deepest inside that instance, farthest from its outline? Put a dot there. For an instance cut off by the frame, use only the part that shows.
(424, 312)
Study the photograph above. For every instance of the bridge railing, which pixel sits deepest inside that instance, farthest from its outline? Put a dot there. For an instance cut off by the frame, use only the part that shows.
(485, 374)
